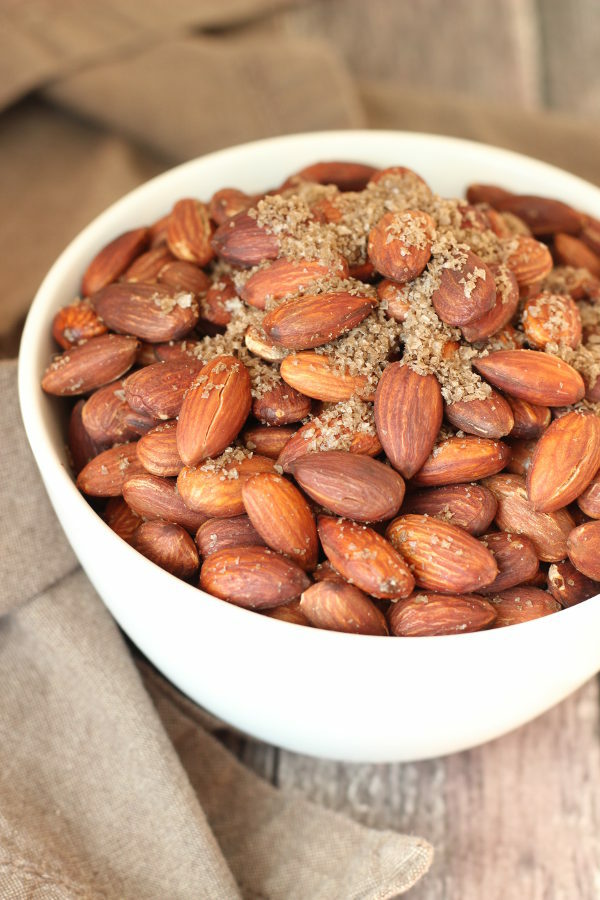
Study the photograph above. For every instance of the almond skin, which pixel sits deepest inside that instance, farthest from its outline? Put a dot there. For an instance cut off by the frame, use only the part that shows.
(121, 518)
(184, 276)
(347, 176)
(216, 493)
(442, 557)
(268, 440)
(547, 531)
(342, 607)
(282, 517)
(551, 318)
(158, 390)
(113, 259)
(169, 546)
(529, 260)
(503, 310)
(408, 415)
(316, 319)
(108, 418)
(308, 438)
(157, 498)
(223, 534)
(105, 475)
(285, 277)
(426, 614)
(521, 455)
(470, 506)
(532, 376)
(570, 251)
(288, 612)
(542, 215)
(91, 365)
(82, 447)
(515, 557)
(364, 558)
(76, 322)
(148, 311)
(568, 586)
(189, 232)
(214, 410)
(400, 244)
(589, 500)
(215, 305)
(489, 418)
(583, 546)
(465, 293)
(486, 193)
(147, 266)
(457, 460)
(178, 351)
(566, 459)
(530, 421)
(313, 375)
(252, 577)
(242, 242)
(281, 405)
(350, 484)
(228, 202)
(326, 572)
(157, 450)
(522, 604)
(393, 297)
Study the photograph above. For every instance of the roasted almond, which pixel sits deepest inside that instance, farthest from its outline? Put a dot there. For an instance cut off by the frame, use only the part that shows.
(471, 506)
(149, 311)
(457, 460)
(105, 475)
(113, 259)
(260, 345)
(282, 517)
(326, 572)
(167, 545)
(442, 557)
(364, 558)
(467, 290)
(486, 193)
(542, 215)
(158, 390)
(147, 266)
(529, 260)
(267, 440)
(91, 365)
(316, 319)
(521, 455)
(522, 604)
(82, 448)
(223, 534)
(157, 498)
(530, 420)
(589, 500)
(215, 487)
(532, 376)
(489, 418)
(228, 202)
(583, 547)
(75, 323)
(242, 242)
(180, 275)
(253, 577)
(342, 607)
(393, 298)
(189, 232)
(566, 458)
(288, 612)
(347, 176)
(108, 418)
(570, 251)
(217, 303)
(175, 351)
(515, 557)
(426, 614)
(551, 318)
(350, 484)
(285, 277)
(503, 310)
(547, 531)
(157, 450)
(568, 586)
(214, 410)
(121, 518)
(408, 415)
(314, 375)
(281, 405)
(318, 435)
(399, 244)
(158, 231)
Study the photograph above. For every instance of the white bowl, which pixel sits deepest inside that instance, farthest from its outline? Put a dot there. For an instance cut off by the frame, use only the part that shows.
(335, 695)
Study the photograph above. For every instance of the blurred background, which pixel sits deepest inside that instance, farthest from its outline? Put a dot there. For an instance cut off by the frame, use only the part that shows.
(99, 95)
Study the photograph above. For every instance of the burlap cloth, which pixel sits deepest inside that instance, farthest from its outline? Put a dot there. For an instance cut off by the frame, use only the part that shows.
(111, 782)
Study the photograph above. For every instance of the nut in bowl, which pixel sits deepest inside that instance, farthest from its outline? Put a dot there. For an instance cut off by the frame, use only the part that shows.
(343, 469)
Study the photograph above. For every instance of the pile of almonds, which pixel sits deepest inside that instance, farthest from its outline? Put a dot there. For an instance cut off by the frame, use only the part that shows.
(349, 403)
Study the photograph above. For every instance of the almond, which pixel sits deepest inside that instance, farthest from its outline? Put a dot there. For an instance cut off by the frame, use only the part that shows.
(547, 531)
(400, 244)
(113, 259)
(75, 323)
(316, 319)
(158, 232)
(442, 557)
(315, 376)
(242, 242)
(393, 176)
(158, 390)
(157, 498)
(228, 202)
(216, 305)
(570, 251)
(566, 459)
(288, 612)
(285, 277)
(175, 351)
(282, 517)
(326, 572)
(589, 500)
(157, 450)
(184, 276)
(515, 557)
(489, 418)
(471, 506)
(148, 311)
(342, 607)
(522, 604)
(267, 440)
(121, 518)
(486, 193)
(542, 215)
(108, 418)
(530, 420)
(214, 410)
(430, 614)
(82, 448)
(503, 310)
(347, 176)
(222, 534)
(168, 546)
(393, 297)
(583, 547)
(532, 376)
(521, 455)
(252, 577)
(457, 460)
(312, 437)
(91, 365)
(146, 354)
(147, 266)
(364, 558)
(551, 318)
(281, 405)
(216, 490)
(105, 475)
(408, 415)
(467, 290)
(349, 484)
(568, 586)
(189, 232)
(528, 259)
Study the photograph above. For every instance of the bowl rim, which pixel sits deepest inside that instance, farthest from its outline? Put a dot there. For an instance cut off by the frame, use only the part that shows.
(31, 396)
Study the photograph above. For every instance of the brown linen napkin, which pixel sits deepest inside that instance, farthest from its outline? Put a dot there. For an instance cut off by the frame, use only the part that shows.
(110, 783)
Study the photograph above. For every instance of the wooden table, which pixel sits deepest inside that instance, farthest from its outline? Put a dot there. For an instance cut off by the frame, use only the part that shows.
(515, 819)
